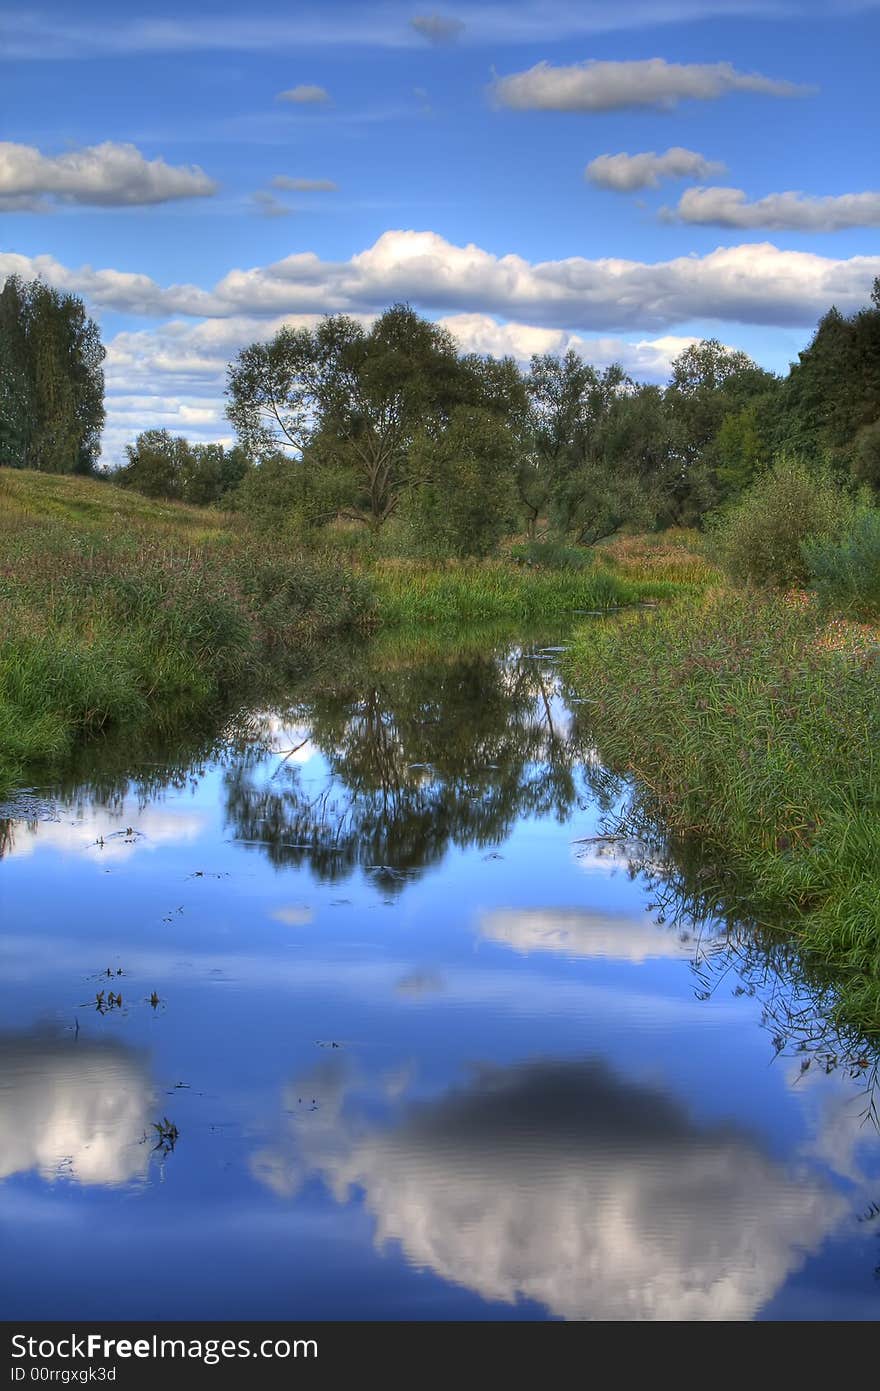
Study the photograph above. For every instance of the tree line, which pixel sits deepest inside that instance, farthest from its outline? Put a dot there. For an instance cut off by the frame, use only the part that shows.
(392, 424)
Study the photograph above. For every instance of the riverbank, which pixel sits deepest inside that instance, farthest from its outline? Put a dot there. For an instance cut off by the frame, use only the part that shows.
(754, 724)
(119, 611)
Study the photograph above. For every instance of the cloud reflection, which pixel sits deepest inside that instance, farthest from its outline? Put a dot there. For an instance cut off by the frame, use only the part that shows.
(73, 1110)
(576, 932)
(562, 1183)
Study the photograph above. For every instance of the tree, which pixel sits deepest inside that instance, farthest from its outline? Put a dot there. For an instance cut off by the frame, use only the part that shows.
(156, 463)
(16, 377)
(461, 499)
(832, 395)
(168, 466)
(348, 403)
(52, 397)
(709, 382)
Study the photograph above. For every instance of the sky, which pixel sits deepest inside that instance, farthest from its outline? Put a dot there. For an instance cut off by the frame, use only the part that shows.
(618, 177)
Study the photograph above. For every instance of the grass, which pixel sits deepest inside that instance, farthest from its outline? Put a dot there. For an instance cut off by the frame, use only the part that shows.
(119, 611)
(754, 725)
(411, 593)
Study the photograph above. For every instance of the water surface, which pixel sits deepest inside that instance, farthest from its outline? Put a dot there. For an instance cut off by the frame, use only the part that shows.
(346, 1013)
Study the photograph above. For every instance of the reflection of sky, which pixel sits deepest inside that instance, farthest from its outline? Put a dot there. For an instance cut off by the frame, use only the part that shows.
(100, 834)
(564, 1184)
(574, 932)
(515, 961)
(74, 1110)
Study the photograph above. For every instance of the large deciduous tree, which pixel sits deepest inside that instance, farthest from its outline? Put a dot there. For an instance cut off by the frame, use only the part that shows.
(51, 380)
(347, 403)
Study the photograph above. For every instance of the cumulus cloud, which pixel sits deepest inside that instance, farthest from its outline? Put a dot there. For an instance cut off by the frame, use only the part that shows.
(306, 94)
(624, 172)
(646, 359)
(283, 181)
(107, 175)
(563, 1183)
(756, 283)
(611, 86)
(798, 212)
(77, 1113)
(437, 28)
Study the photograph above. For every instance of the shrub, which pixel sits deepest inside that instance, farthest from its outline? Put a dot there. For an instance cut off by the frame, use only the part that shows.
(552, 555)
(759, 541)
(845, 573)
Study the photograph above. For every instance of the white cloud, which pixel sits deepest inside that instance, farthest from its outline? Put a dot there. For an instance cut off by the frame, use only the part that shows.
(306, 94)
(73, 1112)
(612, 86)
(562, 1183)
(758, 284)
(283, 181)
(107, 175)
(647, 358)
(799, 212)
(625, 172)
(437, 28)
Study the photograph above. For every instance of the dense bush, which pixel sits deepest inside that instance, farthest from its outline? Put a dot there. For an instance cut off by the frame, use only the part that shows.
(552, 555)
(760, 540)
(845, 571)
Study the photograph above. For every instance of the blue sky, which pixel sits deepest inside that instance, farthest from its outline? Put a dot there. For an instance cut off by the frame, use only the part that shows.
(143, 156)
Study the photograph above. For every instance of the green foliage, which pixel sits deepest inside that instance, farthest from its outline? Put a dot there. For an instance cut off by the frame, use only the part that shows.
(272, 495)
(709, 383)
(51, 380)
(162, 465)
(460, 501)
(350, 403)
(759, 540)
(845, 571)
(752, 732)
(832, 394)
(552, 555)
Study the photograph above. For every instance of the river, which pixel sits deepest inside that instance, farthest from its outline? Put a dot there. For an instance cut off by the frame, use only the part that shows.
(365, 1007)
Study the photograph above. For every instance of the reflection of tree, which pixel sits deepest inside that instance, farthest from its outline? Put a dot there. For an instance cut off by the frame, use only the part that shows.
(694, 896)
(421, 757)
(142, 766)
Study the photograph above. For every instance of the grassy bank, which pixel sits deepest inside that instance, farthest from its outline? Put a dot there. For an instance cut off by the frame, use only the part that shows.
(115, 610)
(754, 723)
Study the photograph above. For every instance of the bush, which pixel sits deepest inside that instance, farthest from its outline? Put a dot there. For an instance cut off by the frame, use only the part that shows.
(760, 540)
(552, 555)
(845, 573)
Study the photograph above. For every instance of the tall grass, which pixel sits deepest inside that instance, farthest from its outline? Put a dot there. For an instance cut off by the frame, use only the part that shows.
(114, 617)
(412, 592)
(755, 726)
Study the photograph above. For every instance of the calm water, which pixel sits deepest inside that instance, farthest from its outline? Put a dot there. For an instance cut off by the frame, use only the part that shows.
(424, 1049)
